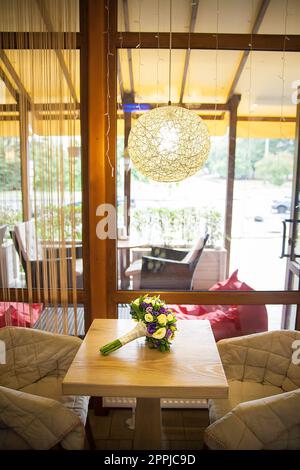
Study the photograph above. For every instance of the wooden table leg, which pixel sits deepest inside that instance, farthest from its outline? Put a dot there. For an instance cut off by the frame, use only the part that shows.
(147, 434)
(124, 261)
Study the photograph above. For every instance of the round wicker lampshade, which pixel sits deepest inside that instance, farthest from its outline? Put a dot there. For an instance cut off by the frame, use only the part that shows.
(169, 143)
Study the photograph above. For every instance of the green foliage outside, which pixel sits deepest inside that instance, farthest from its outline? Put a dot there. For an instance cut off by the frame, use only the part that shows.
(249, 152)
(177, 226)
(275, 168)
(46, 172)
(51, 224)
(249, 155)
(10, 170)
(9, 216)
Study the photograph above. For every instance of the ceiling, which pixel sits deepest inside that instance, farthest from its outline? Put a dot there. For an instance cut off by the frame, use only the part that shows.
(265, 82)
(267, 78)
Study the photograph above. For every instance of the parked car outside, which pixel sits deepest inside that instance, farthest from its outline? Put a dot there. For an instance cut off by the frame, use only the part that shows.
(282, 206)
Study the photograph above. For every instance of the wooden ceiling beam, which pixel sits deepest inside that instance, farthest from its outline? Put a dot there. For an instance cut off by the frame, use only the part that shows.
(37, 40)
(21, 89)
(207, 41)
(266, 118)
(48, 23)
(258, 21)
(193, 106)
(205, 117)
(9, 85)
(46, 107)
(120, 76)
(194, 11)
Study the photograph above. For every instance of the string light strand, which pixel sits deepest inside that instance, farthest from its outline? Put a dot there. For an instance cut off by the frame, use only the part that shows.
(109, 53)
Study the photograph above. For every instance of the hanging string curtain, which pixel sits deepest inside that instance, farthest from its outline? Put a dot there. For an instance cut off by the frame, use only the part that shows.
(40, 189)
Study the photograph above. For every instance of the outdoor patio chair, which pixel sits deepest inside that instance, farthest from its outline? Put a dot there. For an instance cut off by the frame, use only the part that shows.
(44, 262)
(167, 268)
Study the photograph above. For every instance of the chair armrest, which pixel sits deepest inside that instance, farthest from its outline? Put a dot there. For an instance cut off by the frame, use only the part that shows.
(55, 250)
(53, 353)
(61, 350)
(267, 423)
(65, 348)
(168, 253)
(41, 422)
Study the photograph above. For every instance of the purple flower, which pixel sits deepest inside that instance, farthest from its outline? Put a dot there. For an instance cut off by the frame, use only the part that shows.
(168, 333)
(144, 305)
(151, 327)
(162, 310)
(149, 309)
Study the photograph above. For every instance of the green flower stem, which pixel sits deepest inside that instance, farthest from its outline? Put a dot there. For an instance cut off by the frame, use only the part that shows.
(111, 347)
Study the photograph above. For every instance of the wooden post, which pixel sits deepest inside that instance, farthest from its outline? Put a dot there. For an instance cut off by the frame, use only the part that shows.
(85, 162)
(295, 196)
(125, 254)
(127, 174)
(23, 113)
(233, 105)
(111, 174)
(96, 79)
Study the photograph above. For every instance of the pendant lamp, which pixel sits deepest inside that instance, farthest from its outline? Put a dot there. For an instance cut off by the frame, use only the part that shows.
(169, 143)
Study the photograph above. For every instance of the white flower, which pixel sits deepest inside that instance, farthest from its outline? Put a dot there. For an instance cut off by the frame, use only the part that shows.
(170, 317)
(160, 333)
(162, 319)
(148, 317)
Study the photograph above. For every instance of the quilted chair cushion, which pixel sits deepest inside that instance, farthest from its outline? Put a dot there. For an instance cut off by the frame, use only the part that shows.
(263, 407)
(32, 355)
(239, 392)
(34, 414)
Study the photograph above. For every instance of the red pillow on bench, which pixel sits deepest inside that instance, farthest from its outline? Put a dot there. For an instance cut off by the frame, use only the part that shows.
(18, 314)
(227, 320)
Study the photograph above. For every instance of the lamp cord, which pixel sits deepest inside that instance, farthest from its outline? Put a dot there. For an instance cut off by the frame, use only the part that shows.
(170, 54)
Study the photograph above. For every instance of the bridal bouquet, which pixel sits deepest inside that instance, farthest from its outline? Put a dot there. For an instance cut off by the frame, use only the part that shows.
(154, 320)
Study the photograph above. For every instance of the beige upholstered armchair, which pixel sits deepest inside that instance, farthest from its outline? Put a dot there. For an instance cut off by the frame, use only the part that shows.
(263, 407)
(33, 412)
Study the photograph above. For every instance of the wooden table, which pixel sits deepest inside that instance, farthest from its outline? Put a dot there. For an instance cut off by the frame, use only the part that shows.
(192, 369)
(124, 247)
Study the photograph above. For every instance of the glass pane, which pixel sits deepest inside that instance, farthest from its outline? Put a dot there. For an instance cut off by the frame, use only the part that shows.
(161, 225)
(10, 201)
(169, 220)
(262, 200)
(49, 242)
(62, 319)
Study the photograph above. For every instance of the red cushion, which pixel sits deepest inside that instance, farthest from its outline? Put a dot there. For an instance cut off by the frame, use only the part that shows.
(227, 320)
(18, 314)
(232, 283)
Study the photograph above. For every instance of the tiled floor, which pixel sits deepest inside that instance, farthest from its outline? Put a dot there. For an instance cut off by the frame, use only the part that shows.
(181, 429)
